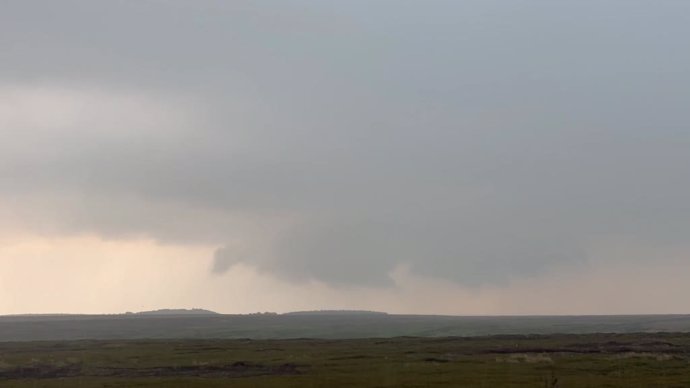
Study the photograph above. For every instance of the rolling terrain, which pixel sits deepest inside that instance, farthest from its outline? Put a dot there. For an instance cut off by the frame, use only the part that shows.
(318, 325)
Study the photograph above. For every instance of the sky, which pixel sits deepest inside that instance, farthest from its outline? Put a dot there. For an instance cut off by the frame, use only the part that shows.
(471, 157)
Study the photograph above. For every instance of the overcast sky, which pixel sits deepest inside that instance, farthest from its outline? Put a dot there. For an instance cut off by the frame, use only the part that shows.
(455, 157)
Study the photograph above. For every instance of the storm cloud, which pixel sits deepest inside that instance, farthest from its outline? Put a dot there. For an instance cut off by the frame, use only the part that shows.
(477, 141)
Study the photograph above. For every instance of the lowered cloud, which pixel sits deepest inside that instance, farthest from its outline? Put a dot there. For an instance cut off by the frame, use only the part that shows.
(480, 143)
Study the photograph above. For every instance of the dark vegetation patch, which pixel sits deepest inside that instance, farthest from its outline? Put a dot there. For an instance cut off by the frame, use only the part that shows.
(607, 347)
(352, 357)
(434, 359)
(236, 369)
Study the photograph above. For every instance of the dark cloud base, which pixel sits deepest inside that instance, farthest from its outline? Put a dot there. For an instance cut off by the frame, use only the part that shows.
(474, 141)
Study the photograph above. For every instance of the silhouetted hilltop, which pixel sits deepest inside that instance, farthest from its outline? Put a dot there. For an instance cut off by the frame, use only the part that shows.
(176, 312)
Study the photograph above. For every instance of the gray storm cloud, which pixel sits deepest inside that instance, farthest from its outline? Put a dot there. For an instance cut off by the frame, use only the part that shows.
(474, 141)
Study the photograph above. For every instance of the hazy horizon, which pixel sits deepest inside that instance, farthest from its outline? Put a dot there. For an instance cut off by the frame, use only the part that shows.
(492, 157)
(205, 312)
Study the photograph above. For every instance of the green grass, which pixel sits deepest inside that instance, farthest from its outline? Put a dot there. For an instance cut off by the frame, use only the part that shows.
(592, 360)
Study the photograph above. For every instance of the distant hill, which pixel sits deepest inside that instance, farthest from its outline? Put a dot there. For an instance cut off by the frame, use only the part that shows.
(336, 312)
(176, 312)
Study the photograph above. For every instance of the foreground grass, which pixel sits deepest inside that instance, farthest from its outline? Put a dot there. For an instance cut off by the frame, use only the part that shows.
(595, 360)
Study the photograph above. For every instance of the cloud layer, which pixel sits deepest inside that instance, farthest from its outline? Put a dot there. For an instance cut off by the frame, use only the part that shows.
(479, 143)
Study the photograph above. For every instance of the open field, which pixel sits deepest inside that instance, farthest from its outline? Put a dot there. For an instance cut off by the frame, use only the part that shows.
(591, 360)
(330, 326)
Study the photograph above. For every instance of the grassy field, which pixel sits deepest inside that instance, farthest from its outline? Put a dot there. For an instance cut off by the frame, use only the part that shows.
(338, 326)
(591, 360)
